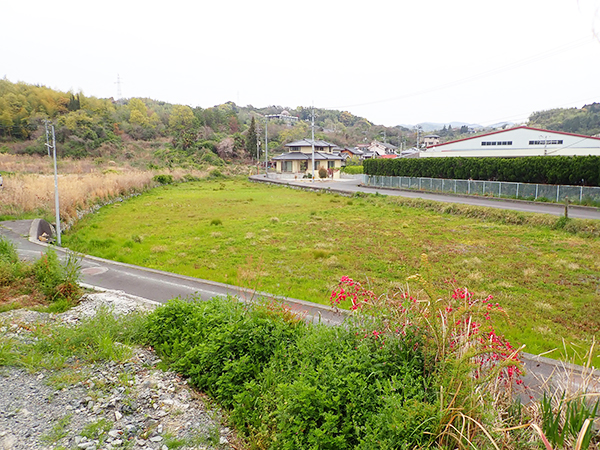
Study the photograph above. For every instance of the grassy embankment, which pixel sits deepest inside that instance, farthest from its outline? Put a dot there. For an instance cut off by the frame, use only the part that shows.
(300, 244)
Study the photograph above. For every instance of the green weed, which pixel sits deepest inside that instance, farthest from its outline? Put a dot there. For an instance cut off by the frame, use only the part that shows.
(102, 337)
(97, 429)
(59, 430)
(563, 419)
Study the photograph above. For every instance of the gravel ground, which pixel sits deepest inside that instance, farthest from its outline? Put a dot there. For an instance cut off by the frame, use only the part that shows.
(106, 405)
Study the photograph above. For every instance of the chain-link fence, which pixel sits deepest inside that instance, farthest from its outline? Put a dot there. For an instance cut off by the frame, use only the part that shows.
(549, 192)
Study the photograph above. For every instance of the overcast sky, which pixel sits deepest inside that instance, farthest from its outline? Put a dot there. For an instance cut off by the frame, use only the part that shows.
(393, 62)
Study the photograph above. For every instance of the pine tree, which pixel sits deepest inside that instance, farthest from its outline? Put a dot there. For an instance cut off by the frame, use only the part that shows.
(251, 138)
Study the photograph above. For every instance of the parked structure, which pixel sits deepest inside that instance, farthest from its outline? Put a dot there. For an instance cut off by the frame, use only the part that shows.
(518, 141)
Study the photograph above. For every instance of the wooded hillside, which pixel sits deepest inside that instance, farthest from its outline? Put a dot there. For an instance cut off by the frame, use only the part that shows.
(571, 120)
(93, 127)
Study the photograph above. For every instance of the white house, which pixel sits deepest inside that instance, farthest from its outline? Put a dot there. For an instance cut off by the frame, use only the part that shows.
(518, 141)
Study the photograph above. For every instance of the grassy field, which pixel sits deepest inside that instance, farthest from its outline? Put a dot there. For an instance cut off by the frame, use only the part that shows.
(300, 244)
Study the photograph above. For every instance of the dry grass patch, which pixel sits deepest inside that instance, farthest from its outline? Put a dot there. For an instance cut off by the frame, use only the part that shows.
(29, 184)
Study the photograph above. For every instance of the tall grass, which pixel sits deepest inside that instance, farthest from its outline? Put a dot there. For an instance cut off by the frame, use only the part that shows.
(29, 184)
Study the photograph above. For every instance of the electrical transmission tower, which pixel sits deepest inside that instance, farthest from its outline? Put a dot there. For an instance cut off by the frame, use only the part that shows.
(118, 83)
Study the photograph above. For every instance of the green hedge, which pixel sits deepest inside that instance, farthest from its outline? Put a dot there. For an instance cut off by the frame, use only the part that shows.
(569, 170)
(353, 170)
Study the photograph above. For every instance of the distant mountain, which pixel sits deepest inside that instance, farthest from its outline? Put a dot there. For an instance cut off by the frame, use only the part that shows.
(433, 126)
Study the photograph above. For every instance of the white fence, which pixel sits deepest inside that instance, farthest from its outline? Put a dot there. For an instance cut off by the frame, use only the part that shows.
(550, 192)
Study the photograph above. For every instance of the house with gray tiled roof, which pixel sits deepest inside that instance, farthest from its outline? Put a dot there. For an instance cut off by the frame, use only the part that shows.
(297, 160)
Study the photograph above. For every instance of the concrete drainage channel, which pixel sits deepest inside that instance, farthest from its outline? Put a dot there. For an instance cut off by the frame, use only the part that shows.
(159, 286)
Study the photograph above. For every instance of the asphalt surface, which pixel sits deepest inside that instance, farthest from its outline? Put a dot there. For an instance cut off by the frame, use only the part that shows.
(156, 285)
(162, 286)
(350, 186)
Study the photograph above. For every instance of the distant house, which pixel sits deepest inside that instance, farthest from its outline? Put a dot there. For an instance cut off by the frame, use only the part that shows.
(518, 141)
(298, 159)
(431, 139)
(351, 152)
(382, 148)
(285, 116)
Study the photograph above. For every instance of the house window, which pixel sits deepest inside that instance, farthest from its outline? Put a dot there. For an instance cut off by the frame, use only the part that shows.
(295, 149)
(330, 164)
(286, 166)
(303, 166)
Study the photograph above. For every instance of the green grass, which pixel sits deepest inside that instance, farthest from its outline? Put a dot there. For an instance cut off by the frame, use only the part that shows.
(102, 337)
(545, 277)
(59, 430)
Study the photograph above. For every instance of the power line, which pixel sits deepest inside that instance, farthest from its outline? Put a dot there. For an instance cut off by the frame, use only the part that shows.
(495, 71)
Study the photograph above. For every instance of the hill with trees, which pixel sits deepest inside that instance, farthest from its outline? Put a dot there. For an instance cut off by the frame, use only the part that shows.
(169, 134)
(571, 120)
(87, 126)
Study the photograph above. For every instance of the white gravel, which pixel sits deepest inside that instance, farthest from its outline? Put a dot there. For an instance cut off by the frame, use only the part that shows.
(132, 405)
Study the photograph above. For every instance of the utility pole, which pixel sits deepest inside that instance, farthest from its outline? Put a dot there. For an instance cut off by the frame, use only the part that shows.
(257, 148)
(56, 201)
(47, 143)
(266, 146)
(312, 127)
(399, 141)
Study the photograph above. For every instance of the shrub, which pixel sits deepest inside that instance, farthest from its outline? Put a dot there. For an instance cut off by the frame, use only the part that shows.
(472, 363)
(163, 179)
(216, 174)
(353, 170)
(292, 385)
(219, 344)
(322, 172)
(10, 266)
(58, 281)
(8, 252)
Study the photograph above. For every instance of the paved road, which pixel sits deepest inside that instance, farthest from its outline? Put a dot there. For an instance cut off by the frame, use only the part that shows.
(147, 283)
(354, 185)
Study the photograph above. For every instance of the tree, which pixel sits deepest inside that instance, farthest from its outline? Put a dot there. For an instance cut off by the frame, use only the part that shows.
(74, 103)
(182, 126)
(251, 138)
(139, 112)
(226, 148)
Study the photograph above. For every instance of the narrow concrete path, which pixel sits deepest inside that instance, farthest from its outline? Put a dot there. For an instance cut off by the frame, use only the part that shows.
(350, 186)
